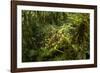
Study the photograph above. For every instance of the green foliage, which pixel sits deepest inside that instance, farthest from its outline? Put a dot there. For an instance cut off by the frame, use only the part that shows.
(52, 36)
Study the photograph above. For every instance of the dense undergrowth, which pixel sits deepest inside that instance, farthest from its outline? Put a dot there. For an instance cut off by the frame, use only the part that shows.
(52, 36)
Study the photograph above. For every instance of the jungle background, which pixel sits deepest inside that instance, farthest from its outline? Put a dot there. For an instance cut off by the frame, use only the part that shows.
(55, 36)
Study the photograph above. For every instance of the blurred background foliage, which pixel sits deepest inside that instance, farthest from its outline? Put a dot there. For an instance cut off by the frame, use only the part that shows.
(52, 36)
